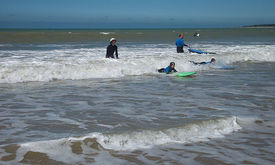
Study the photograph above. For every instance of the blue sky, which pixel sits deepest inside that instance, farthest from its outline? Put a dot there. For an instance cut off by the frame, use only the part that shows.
(135, 13)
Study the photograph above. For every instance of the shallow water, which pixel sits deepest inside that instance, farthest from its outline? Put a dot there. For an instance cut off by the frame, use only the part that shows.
(67, 104)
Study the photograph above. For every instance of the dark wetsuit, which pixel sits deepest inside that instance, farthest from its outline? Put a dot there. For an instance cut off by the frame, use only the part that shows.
(111, 50)
(200, 63)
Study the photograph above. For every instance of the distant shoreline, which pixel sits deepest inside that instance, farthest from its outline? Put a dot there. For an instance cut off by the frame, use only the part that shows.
(260, 26)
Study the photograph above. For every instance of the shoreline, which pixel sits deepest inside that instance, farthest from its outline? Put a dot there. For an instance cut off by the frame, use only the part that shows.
(260, 26)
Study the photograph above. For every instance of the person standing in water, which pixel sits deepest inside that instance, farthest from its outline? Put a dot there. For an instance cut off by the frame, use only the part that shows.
(111, 49)
(180, 44)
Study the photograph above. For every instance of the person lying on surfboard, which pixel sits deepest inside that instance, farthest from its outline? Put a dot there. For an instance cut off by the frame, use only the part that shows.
(204, 63)
(168, 69)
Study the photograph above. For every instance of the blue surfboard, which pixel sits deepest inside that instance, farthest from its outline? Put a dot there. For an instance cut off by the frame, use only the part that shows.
(199, 52)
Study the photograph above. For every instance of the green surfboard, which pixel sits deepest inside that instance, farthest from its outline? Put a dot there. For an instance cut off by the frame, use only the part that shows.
(183, 74)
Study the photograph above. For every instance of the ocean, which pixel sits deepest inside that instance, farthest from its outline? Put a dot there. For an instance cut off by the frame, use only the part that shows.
(62, 102)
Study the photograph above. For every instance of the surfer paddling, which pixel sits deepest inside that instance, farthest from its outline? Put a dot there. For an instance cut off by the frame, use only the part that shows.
(213, 60)
(168, 69)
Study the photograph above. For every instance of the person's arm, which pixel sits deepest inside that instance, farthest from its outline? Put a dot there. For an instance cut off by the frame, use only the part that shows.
(116, 53)
(184, 44)
(107, 50)
(175, 70)
(195, 63)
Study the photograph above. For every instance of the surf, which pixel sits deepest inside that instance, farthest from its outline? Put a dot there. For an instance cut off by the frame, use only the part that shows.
(135, 60)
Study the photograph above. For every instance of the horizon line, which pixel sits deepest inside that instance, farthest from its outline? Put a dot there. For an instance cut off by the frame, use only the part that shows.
(115, 28)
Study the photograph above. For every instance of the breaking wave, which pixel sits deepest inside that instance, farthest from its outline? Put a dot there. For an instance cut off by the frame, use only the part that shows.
(86, 63)
(69, 149)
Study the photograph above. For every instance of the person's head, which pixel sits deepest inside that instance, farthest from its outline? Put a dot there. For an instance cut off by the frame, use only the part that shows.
(112, 41)
(213, 60)
(181, 35)
(172, 64)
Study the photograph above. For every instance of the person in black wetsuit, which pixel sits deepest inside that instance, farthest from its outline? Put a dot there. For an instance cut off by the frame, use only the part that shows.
(203, 63)
(111, 49)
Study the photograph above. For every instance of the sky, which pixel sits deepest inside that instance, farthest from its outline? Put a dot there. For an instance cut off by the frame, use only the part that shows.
(135, 13)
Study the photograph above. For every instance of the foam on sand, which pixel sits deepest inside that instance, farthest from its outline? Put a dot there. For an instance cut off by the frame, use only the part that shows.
(68, 149)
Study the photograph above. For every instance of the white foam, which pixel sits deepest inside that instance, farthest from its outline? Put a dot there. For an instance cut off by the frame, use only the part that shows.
(85, 63)
(61, 150)
(200, 131)
(254, 53)
(106, 33)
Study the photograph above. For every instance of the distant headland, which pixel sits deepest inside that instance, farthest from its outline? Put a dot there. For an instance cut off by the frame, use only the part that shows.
(260, 26)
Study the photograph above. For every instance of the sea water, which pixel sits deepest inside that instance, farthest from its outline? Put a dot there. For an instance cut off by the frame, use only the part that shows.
(63, 102)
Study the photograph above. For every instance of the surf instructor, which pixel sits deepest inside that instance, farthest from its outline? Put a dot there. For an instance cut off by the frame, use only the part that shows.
(180, 43)
(111, 49)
